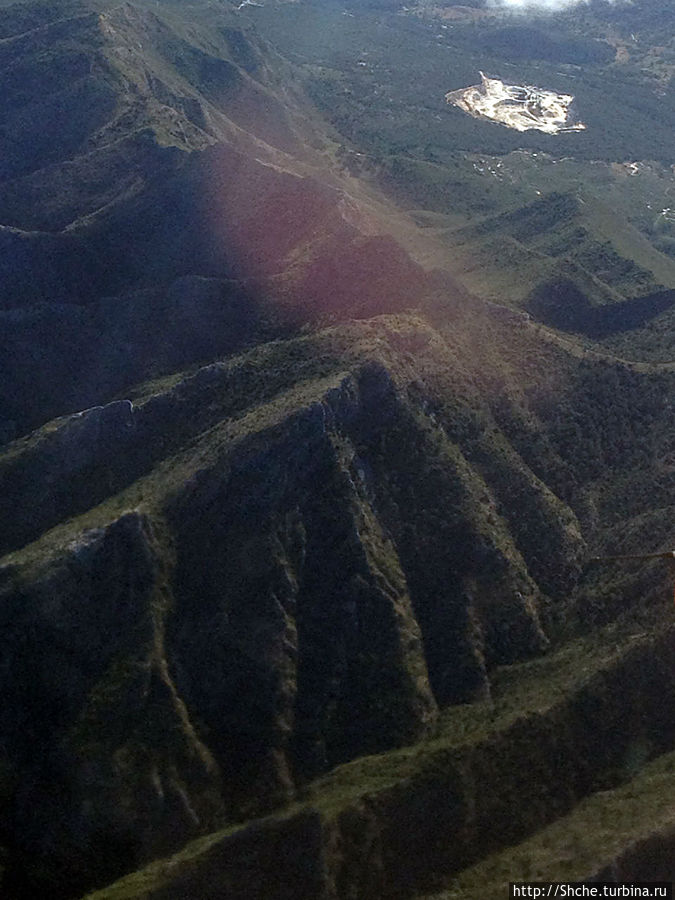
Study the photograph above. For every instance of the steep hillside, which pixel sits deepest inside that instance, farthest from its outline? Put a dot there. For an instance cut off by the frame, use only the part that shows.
(154, 235)
(472, 796)
(307, 440)
(483, 190)
(307, 566)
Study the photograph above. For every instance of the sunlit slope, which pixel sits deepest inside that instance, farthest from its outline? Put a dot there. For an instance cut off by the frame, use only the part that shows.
(559, 258)
(124, 91)
(625, 834)
(303, 554)
(194, 212)
(291, 521)
(451, 171)
(513, 789)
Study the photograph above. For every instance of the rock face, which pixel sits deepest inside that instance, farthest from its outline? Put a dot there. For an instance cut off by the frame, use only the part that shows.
(102, 747)
(275, 612)
(459, 804)
(257, 524)
(336, 537)
(330, 651)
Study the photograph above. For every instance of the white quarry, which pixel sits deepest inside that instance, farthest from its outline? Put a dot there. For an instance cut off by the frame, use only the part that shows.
(521, 107)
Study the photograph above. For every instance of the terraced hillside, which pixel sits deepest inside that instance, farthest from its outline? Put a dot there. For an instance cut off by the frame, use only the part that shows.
(299, 491)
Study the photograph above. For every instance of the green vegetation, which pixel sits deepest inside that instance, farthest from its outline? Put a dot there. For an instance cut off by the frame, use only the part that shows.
(450, 169)
(430, 486)
(316, 397)
(362, 83)
(529, 699)
(601, 831)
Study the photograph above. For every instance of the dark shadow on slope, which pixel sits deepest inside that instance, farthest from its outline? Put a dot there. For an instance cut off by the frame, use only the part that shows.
(61, 358)
(561, 304)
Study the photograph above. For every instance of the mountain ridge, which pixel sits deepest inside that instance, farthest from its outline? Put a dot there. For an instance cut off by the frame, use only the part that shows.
(296, 512)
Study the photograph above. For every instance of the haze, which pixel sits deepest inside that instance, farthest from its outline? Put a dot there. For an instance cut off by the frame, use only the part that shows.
(540, 4)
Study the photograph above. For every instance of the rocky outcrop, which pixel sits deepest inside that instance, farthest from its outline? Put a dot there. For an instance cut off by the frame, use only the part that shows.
(287, 561)
(455, 802)
(309, 583)
(68, 470)
(96, 740)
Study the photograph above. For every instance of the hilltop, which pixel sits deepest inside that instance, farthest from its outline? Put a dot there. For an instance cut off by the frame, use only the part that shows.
(317, 398)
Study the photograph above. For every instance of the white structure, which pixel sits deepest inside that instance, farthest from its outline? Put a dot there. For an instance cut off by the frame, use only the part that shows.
(521, 107)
